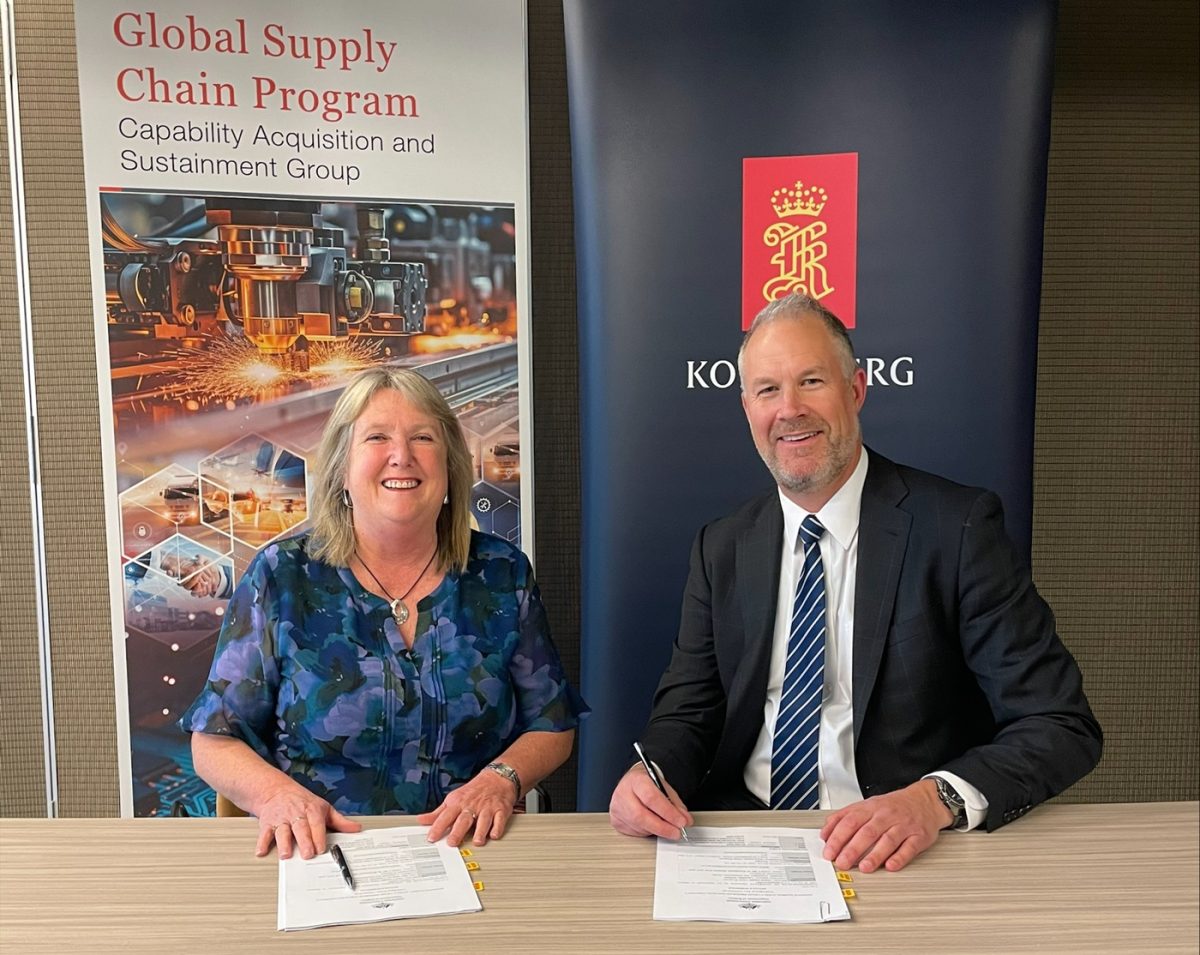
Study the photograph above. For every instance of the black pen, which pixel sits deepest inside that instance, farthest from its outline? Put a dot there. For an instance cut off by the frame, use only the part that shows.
(340, 859)
(656, 779)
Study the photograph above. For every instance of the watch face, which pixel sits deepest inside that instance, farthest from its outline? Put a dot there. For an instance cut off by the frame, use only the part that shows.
(950, 798)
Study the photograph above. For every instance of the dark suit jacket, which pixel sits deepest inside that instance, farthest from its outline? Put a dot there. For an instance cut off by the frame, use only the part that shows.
(957, 665)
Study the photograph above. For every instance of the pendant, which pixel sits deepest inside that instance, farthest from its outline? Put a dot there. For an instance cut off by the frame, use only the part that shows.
(400, 611)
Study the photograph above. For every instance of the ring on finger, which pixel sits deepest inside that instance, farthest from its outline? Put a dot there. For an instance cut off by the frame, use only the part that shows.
(469, 812)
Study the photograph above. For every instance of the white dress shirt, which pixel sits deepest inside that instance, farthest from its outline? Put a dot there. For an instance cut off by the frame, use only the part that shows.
(839, 555)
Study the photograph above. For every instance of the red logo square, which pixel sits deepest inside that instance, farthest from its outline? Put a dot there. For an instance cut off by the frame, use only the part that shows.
(800, 231)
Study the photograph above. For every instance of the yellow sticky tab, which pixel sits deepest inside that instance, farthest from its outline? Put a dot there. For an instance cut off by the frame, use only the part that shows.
(478, 886)
(465, 853)
(472, 866)
(848, 893)
(845, 877)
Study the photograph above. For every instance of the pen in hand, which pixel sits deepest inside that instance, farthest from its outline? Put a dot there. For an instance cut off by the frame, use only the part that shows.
(656, 779)
(340, 859)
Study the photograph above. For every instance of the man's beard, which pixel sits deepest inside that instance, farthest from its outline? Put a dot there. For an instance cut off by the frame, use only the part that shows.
(840, 454)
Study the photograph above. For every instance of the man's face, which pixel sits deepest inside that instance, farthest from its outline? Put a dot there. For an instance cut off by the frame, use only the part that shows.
(803, 412)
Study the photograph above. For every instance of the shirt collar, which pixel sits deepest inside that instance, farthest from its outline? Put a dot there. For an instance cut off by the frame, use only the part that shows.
(840, 513)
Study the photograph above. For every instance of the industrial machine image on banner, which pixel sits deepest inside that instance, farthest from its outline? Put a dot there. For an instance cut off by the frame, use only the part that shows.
(233, 325)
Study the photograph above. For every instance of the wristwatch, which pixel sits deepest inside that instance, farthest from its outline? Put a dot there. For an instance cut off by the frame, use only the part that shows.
(508, 773)
(952, 801)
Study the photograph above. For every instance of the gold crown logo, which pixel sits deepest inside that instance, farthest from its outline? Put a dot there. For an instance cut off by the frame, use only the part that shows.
(798, 201)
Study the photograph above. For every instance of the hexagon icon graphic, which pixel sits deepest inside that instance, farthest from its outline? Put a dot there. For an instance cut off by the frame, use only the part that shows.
(495, 511)
(175, 592)
(502, 461)
(142, 528)
(262, 484)
(168, 502)
(490, 428)
(200, 570)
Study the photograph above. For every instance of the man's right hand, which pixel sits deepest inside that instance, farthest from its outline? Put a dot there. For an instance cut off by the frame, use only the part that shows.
(639, 809)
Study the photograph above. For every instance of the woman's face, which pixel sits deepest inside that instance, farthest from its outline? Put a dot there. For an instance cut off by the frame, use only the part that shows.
(396, 473)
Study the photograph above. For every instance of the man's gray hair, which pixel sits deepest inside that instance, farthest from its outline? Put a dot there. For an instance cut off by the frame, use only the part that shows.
(797, 305)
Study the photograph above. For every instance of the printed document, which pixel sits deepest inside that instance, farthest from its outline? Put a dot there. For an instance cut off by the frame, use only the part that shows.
(745, 874)
(398, 874)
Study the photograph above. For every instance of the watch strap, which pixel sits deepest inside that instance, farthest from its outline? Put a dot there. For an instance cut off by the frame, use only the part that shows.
(508, 773)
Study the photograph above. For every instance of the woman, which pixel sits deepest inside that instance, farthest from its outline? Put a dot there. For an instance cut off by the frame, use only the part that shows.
(392, 659)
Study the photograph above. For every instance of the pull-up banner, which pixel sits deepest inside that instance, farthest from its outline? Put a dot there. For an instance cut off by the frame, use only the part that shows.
(279, 195)
(887, 159)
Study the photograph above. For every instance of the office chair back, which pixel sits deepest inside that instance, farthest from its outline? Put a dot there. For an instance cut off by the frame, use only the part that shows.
(227, 807)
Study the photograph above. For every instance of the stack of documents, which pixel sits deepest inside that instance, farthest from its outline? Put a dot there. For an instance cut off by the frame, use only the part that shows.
(398, 874)
(746, 875)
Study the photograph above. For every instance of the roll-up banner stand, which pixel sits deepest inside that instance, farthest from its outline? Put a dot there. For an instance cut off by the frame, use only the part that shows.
(279, 195)
(888, 159)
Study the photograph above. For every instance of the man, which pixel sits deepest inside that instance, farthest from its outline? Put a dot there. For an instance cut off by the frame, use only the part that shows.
(866, 630)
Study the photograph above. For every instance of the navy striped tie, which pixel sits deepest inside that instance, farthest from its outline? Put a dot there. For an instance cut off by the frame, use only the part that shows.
(798, 726)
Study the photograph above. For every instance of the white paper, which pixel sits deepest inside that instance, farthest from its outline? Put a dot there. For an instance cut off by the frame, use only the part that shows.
(746, 874)
(398, 874)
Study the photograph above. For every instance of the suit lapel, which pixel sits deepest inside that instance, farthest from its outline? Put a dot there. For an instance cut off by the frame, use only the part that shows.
(757, 571)
(882, 540)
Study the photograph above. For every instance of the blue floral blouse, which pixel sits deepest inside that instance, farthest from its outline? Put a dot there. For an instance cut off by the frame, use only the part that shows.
(311, 672)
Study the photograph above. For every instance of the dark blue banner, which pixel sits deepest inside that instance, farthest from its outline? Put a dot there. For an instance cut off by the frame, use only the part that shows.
(909, 187)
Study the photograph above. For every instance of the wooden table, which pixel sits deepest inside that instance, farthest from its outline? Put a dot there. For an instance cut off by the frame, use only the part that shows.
(1086, 879)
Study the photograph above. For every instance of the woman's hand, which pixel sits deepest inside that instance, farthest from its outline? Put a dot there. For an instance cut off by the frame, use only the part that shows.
(293, 817)
(481, 806)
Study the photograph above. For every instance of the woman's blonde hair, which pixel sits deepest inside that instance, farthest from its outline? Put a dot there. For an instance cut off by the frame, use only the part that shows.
(333, 519)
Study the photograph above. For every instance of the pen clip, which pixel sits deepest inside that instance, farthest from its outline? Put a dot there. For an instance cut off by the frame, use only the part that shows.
(649, 767)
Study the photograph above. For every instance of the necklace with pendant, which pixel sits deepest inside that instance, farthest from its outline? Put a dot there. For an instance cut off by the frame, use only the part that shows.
(400, 609)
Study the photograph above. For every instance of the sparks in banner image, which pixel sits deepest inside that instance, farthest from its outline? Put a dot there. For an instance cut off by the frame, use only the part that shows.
(233, 325)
